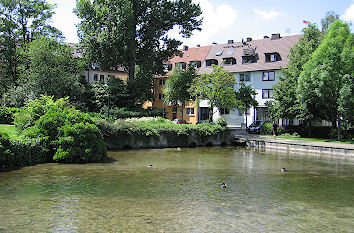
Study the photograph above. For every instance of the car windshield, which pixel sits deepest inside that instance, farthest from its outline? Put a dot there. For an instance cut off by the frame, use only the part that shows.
(256, 123)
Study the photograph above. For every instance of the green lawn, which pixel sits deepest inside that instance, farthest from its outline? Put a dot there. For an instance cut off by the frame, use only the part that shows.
(9, 130)
(316, 139)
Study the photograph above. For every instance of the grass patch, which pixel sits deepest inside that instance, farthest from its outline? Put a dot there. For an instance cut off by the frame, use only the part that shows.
(317, 139)
(9, 130)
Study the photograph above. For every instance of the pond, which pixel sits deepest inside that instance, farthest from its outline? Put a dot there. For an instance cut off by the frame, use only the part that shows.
(183, 193)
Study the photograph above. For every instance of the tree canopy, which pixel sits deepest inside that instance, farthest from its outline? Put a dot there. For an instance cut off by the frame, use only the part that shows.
(177, 86)
(216, 87)
(286, 104)
(328, 73)
(134, 32)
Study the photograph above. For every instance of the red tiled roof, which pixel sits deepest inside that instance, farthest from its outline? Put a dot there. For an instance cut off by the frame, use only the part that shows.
(261, 47)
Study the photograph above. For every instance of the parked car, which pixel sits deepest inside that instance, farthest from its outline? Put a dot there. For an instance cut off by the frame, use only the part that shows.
(255, 127)
(179, 121)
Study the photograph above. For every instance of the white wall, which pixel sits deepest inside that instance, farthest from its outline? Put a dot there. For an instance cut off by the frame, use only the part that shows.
(233, 119)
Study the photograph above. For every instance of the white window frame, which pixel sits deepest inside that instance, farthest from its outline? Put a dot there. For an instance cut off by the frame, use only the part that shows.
(267, 93)
(268, 76)
(190, 111)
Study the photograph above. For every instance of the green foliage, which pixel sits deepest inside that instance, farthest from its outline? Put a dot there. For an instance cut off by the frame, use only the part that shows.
(155, 127)
(327, 73)
(123, 113)
(21, 21)
(80, 143)
(222, 122)
(216, 87)
(267, 128)
(330, 18)
(50, 121)
(20, 152)
(286, 104)
(6, 116)
(178, 85)
(138, 35)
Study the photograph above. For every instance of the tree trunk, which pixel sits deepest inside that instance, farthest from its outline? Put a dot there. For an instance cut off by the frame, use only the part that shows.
(182, 109)
(133, 46)
(339, 136)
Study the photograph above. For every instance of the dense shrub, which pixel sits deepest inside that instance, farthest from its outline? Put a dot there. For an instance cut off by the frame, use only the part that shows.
(267, 128)
(19, 153)
(80, 143)
(221, 121)
(122, 113)
(50, 122)
(6, 116)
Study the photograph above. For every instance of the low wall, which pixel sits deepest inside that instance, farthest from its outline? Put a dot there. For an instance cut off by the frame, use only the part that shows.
(291, 147)
(165, 140)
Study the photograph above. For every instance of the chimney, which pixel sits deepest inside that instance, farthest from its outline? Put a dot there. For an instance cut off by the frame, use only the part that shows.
(214, 43)
(198, 45)
(185, 48)
(248, 39)
(266, 37)
(230, 41)
(275, 36)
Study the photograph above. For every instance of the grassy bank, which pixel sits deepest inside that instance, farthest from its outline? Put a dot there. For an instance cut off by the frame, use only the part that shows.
(9, 130)
(315, 139)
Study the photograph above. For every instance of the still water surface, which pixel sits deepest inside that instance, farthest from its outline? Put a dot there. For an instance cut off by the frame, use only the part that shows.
(183, 193)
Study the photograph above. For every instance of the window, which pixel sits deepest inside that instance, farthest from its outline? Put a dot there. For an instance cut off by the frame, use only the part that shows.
(95, 77)
(162, 82)
(161, 96)
(101, 77)
(230, 51)
(246, 77)
(243, 112)
(174, 109)
(224, 111)
(272, 57)
(195, 64)
(267, 93)
(249, 59)
(268, 76)
(211, 62)
(190, 111)
(181, 65)
(167, 67)
(229, 61)
(218, 53)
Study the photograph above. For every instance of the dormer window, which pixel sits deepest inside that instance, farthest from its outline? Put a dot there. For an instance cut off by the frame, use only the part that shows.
(229, 61)
(181, 65)
(195, 64)
(167, 67)
(211, 62)
(272, 57)
(249, 59)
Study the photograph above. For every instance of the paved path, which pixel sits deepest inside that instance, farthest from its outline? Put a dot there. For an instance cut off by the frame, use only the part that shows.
(241, 133)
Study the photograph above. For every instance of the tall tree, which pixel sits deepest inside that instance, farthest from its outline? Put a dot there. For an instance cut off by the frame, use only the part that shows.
(21, 21)
(286, 104)
(326, 73)
(216, 87)
(177, 86)
(134, 32)
(247, 96)
(50, 69)
(330, 18)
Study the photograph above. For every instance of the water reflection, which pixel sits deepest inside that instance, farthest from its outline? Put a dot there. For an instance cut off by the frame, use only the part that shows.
(182, 194)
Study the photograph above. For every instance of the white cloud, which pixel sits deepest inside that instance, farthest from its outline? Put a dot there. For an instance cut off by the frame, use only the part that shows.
(266, 15)
(349, 14)
(216, 19)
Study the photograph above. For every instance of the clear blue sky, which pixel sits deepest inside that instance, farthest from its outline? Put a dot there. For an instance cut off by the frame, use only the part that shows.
(234, 19)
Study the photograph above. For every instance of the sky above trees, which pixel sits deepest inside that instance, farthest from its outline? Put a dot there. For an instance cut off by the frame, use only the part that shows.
(235, 19)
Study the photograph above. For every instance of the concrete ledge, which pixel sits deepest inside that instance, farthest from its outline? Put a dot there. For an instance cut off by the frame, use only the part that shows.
(294, 147)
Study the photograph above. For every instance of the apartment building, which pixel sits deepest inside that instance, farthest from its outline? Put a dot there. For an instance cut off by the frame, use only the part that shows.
(190, 56)
(253, 62)
(92, 72)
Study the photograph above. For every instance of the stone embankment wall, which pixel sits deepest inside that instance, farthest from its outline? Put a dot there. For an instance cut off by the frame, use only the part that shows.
(165, 140)
(294, 147)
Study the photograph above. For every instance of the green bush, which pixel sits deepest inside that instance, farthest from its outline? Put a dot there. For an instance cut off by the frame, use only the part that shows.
(19, 153)
(80, 143)
(6, 116)
(267, 128)
(123, 113)
(221, 121)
